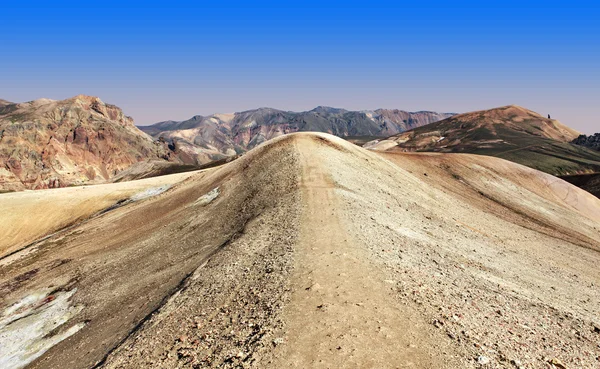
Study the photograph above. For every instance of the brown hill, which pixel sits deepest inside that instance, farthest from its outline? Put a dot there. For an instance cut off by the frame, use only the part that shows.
(510, 132)
(47, 143)
(202, 139)
(310, 251)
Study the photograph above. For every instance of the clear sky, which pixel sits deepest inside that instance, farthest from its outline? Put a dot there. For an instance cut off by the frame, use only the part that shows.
(172, 63)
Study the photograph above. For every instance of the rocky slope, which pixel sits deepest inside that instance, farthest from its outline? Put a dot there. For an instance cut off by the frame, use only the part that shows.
(311, 252)
(202, 139)
(591, 141)
(510, 132)
(47, 143)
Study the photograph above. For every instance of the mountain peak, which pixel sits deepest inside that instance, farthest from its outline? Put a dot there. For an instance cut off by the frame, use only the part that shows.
(84, 97)
(511, 132)
(328, 109)
(50, 143)
(86, 100)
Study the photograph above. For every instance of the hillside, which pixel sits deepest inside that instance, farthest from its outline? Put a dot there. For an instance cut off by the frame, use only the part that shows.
(309, 251)
(32, 215)
(202, 139)
(510, 132)
(47, 143)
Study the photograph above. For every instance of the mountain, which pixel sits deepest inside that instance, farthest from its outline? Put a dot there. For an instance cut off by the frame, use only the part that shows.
(510, 132)
(202, 139)
(591, 141)
(306, 252)
(47, 143)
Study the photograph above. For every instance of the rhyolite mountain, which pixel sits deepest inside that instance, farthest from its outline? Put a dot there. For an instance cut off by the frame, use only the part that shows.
(47, 143)
(206, 138)
(509, 132)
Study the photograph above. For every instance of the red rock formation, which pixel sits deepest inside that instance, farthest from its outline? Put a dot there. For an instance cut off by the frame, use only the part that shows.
(46, 143)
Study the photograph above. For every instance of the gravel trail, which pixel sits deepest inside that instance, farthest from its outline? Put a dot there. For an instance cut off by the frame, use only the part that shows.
(311, 252)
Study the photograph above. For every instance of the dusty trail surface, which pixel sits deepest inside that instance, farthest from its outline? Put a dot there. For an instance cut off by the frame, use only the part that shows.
(309, 251)
(342, 312)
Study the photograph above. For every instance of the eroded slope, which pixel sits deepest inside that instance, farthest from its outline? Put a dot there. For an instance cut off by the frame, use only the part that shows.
(312, 252)
(48, 144)
(126, 263)
(510, 132)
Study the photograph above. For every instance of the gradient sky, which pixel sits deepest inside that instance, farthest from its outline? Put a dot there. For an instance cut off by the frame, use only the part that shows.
(160, 64)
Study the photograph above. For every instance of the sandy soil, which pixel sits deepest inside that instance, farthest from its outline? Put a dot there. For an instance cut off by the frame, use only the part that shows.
(27, 216)
(341, 303)
(318, 253)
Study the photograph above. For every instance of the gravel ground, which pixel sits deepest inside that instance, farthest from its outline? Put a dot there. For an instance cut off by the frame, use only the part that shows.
(126, 263)
(227, 313)
(473, 246)
(312, 252)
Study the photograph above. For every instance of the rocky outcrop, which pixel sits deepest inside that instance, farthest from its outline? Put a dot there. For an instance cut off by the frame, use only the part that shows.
(591, 141)
(47, 143)
(202, 139)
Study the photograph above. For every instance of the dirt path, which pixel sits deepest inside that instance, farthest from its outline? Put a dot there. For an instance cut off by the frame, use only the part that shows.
(318, 254)
(341, 313)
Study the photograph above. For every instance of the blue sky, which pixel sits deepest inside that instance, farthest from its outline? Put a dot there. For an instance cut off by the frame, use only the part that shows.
(171, 63)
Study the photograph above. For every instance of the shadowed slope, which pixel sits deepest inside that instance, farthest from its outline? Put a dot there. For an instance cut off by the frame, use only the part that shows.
(125, 263)
(511, 132)
(588, 182)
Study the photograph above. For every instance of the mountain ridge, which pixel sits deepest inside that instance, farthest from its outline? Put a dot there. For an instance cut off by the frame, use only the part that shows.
(511, 132)
(263, 257)
(205, 138)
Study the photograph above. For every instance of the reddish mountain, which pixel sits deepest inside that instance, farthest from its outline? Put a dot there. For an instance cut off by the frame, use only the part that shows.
(47, 143)
(202, 139)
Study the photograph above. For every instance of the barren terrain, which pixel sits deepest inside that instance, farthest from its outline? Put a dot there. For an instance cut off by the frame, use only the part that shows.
(201, 139)
(28, 216)
(309, 251)
(509, 132)
(50, 143)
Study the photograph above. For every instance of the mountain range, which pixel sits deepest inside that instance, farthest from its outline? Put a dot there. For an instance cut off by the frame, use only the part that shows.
(202, 139)
(307, 248)
(47, 143)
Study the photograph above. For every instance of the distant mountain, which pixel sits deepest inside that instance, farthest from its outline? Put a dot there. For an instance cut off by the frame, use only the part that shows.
(510, 132)
(202, 139)
(591, 141)
(47, 143)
